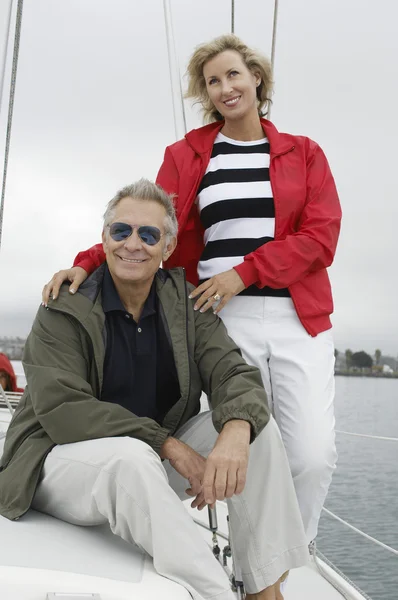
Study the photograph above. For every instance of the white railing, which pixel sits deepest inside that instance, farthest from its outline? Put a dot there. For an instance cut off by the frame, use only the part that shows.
(9, 399)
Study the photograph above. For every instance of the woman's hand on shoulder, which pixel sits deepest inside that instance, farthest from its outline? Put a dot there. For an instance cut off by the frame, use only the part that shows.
(76, 275)
(217, 291)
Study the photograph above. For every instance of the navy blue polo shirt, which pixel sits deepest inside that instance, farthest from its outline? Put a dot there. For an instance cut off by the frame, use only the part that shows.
(139, 367)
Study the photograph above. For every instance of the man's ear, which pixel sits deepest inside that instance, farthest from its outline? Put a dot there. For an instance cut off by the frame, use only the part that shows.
(169, 249)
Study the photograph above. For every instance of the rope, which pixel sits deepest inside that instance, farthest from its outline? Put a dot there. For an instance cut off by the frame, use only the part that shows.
(362, 533)
(314, 553)
(372, 437)
(11, 107)
(273, 46)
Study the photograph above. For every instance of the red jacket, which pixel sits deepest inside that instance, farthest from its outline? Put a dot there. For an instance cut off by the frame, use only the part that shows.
(307, 220)
(6, 366)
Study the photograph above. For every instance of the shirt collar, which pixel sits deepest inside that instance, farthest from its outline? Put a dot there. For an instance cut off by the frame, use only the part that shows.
(111, 300)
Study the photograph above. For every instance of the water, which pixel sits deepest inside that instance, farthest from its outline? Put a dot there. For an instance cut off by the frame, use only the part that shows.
(364, 491)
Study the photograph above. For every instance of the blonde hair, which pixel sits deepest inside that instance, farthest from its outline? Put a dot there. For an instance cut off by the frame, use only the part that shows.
(254, 61)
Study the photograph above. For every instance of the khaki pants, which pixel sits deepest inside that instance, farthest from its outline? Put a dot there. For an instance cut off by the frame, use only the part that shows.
(123, 481)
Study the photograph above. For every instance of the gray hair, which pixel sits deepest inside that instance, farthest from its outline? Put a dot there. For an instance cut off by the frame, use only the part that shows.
(146, 190)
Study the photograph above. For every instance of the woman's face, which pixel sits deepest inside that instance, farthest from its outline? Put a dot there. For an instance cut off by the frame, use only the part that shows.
(231, 85)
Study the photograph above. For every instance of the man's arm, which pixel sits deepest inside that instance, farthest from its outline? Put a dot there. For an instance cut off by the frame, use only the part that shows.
(57, 365)
(240, 410)
(235, 389)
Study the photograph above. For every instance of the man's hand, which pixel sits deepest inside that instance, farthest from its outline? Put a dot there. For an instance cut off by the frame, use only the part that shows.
(189, 464)
(226, 466)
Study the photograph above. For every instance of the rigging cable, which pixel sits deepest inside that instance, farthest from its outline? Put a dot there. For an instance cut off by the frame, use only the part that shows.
(362, 533)
(175, 77)
(273, 47)
(366, 435)
(11, 107)
(6, 38)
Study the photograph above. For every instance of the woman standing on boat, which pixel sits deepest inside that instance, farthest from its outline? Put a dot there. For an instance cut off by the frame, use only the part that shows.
(259, 219)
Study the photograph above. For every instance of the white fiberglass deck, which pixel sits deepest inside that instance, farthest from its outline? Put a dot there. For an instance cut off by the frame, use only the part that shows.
(40, 554)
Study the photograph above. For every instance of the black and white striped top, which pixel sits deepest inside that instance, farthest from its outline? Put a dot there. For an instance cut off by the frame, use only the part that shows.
(236, 207)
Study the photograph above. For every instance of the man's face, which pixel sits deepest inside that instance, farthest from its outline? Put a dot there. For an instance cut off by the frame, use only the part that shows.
(132, 260)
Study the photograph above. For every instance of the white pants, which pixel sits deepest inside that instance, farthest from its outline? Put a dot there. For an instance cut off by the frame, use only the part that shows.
(298, 376)
(123, 481)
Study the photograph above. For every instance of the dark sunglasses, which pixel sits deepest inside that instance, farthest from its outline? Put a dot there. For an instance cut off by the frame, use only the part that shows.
(147, 234)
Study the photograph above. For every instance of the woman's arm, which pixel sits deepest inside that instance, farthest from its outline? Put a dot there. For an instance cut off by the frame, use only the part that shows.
(281, 263)
(90, 259)
(168, 177)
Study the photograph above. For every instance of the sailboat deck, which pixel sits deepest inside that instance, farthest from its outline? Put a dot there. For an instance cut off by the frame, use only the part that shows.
(40, 554)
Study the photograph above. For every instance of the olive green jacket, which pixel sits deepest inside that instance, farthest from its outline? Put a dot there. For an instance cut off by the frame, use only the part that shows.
(63, 362)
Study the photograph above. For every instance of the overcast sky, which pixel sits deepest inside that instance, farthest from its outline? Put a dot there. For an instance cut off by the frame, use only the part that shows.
(93, 112)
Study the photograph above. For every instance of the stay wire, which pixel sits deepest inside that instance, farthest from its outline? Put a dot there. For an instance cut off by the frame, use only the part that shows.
(17, 38)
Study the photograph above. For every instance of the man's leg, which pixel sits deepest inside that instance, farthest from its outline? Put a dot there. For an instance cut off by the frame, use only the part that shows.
(122, 481)
(265, 519)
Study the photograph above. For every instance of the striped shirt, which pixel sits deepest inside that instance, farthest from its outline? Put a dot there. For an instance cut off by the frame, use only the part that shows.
(236, 207)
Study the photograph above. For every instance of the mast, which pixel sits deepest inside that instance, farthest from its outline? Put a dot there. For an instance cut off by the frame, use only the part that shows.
(10, 102)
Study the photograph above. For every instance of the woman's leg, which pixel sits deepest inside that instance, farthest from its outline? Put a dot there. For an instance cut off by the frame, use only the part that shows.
(244, 319)
(302, 381)
(298, 376)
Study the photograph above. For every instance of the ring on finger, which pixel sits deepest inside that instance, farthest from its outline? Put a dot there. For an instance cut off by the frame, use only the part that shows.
(217, 297)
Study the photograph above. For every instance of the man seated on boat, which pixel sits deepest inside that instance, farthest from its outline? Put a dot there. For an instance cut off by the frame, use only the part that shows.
(109, 429)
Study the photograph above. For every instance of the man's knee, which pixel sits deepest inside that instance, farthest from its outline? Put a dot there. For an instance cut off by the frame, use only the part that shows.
(130, 453)
(131, 465)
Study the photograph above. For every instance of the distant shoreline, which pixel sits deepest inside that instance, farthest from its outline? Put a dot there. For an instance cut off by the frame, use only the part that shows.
(359, 374)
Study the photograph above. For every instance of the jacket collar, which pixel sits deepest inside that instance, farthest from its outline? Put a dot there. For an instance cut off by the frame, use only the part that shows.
(88, 299)
(86, 308)
(202, 140)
